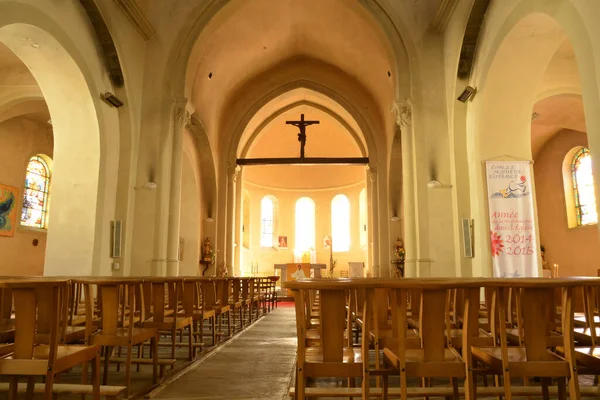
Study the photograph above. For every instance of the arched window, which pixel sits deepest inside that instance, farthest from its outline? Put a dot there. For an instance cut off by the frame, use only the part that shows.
(267, 212)
(583, 188)
(340, 223)
(35, 197)
(305, 224)
(362, 209)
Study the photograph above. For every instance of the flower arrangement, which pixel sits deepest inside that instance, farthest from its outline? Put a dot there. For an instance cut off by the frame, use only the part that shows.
(332, 264)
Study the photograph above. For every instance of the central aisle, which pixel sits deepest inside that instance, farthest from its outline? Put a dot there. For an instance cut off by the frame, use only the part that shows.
(256, 365)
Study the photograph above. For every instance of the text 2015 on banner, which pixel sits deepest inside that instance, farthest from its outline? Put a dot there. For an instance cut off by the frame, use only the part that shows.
(512, 228)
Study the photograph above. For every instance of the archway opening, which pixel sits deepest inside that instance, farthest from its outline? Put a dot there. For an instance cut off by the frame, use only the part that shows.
(268, 136)
(521, 113)
(54, 78)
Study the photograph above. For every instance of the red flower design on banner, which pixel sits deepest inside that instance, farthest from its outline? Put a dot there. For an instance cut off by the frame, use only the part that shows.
(497, 244)
(523, 179)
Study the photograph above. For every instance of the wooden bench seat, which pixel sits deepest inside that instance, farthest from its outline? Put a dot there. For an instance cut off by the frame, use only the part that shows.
(63, 359)
(162, 362)
(517, 360)
(437, 391)
(109, 392)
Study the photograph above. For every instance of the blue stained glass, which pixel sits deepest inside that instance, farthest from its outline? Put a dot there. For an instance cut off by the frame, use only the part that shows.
(35, 196)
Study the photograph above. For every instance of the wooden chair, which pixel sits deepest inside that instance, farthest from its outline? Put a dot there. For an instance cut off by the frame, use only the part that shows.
(112, 330)
(38, 306)
(235, 302)
(535, 357)
(336, 357)
(587, 354)
(250, 301)
(193, 307)
(172, 322)
(432, 356)
(221, 305)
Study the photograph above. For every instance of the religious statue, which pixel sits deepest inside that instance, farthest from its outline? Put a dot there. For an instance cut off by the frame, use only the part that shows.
(398, 263)
(222, 270)
(400, 253)
(207, 253)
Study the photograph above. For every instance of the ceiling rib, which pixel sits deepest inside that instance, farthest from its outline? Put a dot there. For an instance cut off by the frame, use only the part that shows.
(443, 14)
(106, 42)
(469, 46)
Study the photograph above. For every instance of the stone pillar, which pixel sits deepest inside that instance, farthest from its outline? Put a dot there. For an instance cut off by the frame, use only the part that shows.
(232, 175)
(373, 202)
(181, 117)
(403, 111)
(239, 239)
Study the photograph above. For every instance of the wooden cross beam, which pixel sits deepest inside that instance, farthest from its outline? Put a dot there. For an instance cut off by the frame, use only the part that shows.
(304, 161)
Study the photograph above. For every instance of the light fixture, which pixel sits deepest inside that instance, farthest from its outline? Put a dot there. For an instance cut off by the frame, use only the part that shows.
(209, 219)
(434, 184)
(466, 94)
(112, 100)
(395, 218)
(151, 185)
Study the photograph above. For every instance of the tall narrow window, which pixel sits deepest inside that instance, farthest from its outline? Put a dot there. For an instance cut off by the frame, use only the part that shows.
(266, 222)
(305, 224)
(362, 209)
(35, 197)
(583, 188)
(340, 223)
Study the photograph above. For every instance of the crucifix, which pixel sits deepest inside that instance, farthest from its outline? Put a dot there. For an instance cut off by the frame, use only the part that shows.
(302, 124)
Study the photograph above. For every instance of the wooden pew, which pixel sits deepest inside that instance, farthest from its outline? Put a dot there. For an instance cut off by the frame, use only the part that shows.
(172, 322)
(336, 357)
(235, 302)
(193, 307)
(535, 356)
(38, 307)
(112, 331)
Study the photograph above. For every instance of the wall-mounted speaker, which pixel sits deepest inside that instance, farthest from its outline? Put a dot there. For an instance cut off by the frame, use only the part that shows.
(116, 238)
(467, 231)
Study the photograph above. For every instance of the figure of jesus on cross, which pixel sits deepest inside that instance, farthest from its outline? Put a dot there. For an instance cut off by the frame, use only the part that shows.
(302, 124)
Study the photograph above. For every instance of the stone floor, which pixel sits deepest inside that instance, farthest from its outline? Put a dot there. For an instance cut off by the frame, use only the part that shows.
(257, 364)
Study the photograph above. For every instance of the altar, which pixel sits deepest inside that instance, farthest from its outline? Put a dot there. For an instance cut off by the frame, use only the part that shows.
(287, 271)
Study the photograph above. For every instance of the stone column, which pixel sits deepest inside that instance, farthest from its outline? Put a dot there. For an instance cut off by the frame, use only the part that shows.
(239, 239)
(232, 175)
(373, 201)
(403, 112)
(181, 117)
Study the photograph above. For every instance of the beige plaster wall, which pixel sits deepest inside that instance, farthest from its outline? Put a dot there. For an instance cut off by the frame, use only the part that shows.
(21, 139)
(190, 220)
(285, 226)
(575, 250)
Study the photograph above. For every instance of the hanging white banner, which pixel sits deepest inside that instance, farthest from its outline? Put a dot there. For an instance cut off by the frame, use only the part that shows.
(512, 227)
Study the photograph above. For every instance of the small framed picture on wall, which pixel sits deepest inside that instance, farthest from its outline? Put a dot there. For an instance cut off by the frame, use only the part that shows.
(282, 242)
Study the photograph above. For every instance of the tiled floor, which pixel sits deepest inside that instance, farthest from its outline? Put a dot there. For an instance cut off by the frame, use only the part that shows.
(255, 365)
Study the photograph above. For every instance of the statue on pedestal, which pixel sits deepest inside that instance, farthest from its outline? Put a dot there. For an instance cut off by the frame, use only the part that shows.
(207, 252)
(222, 270)
(400, 254)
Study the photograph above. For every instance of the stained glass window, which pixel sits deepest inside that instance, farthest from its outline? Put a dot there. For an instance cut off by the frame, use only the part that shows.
(266, 222)
(340, 223)
(583, 188)
(305, 224)
(35, 197)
